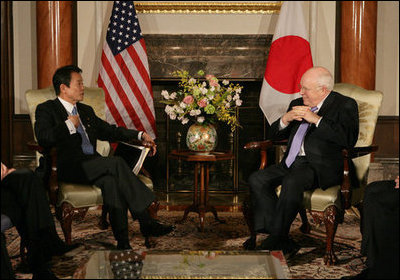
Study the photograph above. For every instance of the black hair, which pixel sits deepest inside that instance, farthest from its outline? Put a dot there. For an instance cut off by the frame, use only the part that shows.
(63, 76)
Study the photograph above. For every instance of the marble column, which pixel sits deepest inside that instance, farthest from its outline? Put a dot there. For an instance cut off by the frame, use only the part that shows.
(358, 43)
(54, 38)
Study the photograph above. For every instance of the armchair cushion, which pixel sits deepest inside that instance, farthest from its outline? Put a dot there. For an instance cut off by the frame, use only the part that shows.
(146, 180)
(369, 102)
(79, 195)
(319, 199)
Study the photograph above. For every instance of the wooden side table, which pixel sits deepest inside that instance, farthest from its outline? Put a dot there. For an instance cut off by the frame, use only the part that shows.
(202, 163)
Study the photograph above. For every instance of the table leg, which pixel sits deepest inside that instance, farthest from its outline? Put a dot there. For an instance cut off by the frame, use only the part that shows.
(195, 205)
(210, 208)
(202, 207)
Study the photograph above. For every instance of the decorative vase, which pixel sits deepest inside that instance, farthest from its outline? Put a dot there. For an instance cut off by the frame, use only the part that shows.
(201, 138)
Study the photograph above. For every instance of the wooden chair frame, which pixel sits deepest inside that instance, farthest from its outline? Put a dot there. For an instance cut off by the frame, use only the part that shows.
(331, 216)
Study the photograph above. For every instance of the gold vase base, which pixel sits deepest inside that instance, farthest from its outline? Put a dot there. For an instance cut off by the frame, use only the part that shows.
(201, 153)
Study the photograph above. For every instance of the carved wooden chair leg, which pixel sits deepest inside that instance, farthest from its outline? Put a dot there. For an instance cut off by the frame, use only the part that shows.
(153, 209)
(103, 223)
(65, 218)
(331, 221)
(360, 209)
(249, 244)
(305, 226)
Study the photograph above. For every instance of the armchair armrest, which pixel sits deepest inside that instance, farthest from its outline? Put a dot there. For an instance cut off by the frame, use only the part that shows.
(348, 155)
(263, 146)
(359, 151)
(137, 142)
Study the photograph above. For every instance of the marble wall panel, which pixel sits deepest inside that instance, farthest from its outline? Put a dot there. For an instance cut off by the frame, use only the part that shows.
(226, 56)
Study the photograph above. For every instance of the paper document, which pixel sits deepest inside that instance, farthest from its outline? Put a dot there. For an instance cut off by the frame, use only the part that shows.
(142, 157)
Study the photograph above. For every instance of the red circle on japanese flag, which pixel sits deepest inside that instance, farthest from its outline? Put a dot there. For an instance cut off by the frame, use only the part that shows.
(289, 57)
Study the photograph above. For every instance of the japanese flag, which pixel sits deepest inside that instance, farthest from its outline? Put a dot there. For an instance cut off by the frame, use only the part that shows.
(289, 57)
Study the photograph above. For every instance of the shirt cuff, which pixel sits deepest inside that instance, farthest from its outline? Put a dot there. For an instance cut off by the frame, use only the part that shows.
(71, 127)
(281, 124)
(317, 124)
(140, 135)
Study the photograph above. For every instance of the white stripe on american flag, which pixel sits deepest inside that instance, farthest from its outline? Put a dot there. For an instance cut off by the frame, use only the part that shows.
(142, 54)
(126, 88)
(138, 77)
(126, 119)
(147, 94)
(115, 99)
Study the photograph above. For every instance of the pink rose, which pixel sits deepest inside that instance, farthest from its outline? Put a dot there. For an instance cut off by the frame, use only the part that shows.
(209, 77)
(202, 103)
(188, 99)
(214, 82)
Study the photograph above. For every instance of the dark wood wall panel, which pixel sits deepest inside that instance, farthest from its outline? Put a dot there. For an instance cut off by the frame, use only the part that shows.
(387, 137)
(22, 134)
(7, 77)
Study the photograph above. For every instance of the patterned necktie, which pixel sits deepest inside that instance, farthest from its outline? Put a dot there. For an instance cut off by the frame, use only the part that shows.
(87, 147)
(297, 140)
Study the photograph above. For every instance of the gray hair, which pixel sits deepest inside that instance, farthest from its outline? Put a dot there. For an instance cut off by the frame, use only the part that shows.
(325, 78)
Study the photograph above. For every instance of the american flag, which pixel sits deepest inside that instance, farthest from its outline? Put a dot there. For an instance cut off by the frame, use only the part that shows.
(124, 72)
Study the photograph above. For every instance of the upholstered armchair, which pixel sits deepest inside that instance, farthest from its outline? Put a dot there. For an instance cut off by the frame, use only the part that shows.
(329, 206)
(73, 200)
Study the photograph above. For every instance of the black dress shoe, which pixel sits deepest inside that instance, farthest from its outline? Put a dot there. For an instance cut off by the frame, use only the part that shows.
(282, 243)
(362, 275)
(155, 228)
(271, 243)
(290, 248)
(44, 274)
(263, 230)
(65, 248)
(123, 245)
(250, 244)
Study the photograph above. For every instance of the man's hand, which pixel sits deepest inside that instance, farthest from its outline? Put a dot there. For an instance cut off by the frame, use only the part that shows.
(5, 171)
(397, 182)
(147, 139)
(300, 113)
(75, 120)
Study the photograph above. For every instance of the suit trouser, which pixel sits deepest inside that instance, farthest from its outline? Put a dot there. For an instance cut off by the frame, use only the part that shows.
(24, 201)
(380, 242)
(276, 214)
(121, 189)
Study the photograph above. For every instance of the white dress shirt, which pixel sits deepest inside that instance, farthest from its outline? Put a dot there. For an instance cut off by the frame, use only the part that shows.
(71, 127)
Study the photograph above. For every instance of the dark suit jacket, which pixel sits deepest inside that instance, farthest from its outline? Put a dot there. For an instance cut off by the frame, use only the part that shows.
(323, 145)
(51, 131)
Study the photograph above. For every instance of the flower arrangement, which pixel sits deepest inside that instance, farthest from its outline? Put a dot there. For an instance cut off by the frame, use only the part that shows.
(203, 102)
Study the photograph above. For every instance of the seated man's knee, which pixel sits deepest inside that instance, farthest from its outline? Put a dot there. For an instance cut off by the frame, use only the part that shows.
(256, 181)
(289, 182)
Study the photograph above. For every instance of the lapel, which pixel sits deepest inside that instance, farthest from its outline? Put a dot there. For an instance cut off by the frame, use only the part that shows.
(327, 103)
(60, 110)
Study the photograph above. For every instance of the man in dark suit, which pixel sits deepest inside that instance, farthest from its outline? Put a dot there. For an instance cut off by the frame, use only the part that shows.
(317, 126)
(73, 128)
(24, 201)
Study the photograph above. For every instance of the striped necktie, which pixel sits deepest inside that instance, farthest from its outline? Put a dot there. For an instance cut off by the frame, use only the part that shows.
(297, 140)
(87, 147)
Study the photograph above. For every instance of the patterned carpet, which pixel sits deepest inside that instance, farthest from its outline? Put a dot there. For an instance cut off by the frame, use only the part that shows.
(307, 263)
